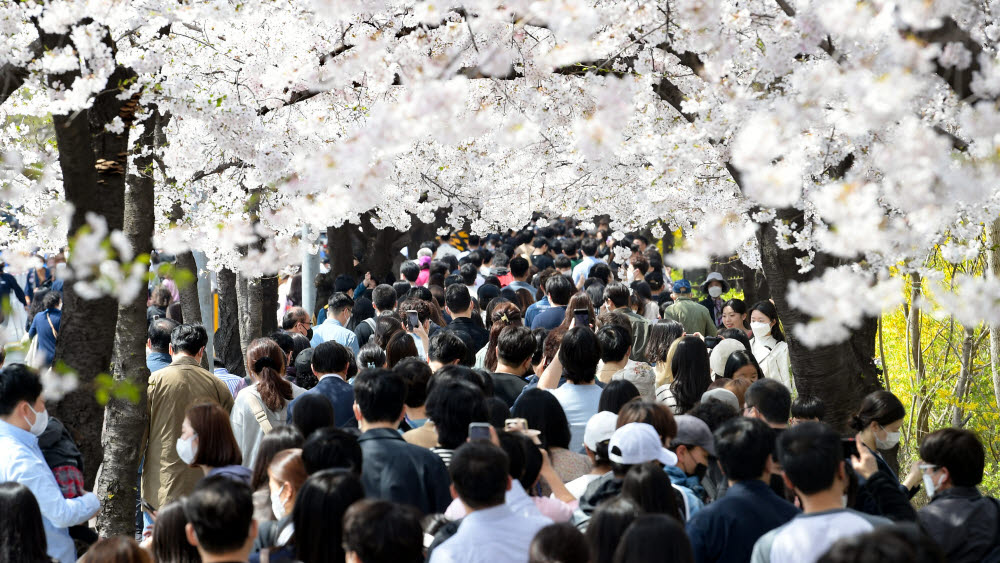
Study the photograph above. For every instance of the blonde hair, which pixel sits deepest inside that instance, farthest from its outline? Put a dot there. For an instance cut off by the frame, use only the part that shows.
(664, 376)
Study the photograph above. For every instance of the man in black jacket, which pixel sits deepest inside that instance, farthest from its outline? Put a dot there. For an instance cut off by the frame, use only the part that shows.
(458, 303)
(384, 301)
(964, 523)
(393, 469)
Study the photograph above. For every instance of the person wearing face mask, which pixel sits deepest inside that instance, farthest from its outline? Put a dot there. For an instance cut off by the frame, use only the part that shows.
(165, 477)
(964, 523)
(22, 419)
(693, 445)
(877, 423)
(715, 285)
(333, 327)
(811, 457)
(286, 474)
(768, 344)
(207, 442)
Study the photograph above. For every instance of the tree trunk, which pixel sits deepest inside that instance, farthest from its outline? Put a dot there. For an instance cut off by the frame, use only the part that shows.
(190, 305)
(125, 420)
(93, 163)
(268, 304)
(993, 259)
(250, 303)
(840, 374)
(340, 254)
(964, 376)
(227, 338)
(754, 284)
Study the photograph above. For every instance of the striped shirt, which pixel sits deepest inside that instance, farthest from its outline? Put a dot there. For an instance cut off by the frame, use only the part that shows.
(235, 383)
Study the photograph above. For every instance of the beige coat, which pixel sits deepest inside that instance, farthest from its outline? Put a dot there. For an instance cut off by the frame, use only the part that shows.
(173, 389)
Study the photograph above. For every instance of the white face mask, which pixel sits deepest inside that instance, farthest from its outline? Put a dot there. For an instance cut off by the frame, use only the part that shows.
(890, 441)
(186, 449)
(41, 421)
(929, 485)
(760, 330)
(715, 291)
(277, 505)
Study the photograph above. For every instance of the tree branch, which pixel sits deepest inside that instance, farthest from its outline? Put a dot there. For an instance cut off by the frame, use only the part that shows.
(217, 170)
(12, 77)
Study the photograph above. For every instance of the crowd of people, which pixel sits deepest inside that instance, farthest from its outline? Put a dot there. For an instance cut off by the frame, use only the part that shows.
(518, 400)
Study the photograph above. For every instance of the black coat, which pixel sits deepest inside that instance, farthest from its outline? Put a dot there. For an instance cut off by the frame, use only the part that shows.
(474, 336)
(964, 523)
(400, 472)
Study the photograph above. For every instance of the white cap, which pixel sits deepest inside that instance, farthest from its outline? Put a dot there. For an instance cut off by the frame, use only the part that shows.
(638, 442)
(600, 427)
(721, 352)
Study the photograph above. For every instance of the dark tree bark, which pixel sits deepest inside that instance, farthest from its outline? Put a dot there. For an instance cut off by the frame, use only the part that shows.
(190, 305)
(249, 298)
(340, 253)
(125, 421)
(268, 304)
(840, 374)
(93, 163)
(227, 338)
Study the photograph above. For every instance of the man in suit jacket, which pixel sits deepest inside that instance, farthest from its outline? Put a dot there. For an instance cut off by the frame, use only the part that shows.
(330, 362)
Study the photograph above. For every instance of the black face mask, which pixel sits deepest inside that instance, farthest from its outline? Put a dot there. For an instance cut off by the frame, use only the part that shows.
(700, 470)
(309, 334)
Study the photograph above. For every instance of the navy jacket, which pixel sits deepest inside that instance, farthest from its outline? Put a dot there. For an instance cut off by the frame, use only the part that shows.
(549, 318)
(400, 472)
(341, 396)
(726, 529)
(46, 338)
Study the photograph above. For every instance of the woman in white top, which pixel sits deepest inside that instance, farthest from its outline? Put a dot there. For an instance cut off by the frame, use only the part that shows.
(768, 344)
(263, 405)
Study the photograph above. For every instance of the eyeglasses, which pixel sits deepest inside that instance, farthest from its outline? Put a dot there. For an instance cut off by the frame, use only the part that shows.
(928, 466)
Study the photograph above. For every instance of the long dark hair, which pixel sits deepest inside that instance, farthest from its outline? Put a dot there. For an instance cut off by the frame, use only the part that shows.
(505, 314)
(649, 486)
(22, 537)
(579, 301)
(544, 413)
(266, 363)
(319, 513)
(690, 369)
(169, 540)
(608, 525)
(385, 327)
(654, 537)
(282, 437)
(661, 335)
(768, 310)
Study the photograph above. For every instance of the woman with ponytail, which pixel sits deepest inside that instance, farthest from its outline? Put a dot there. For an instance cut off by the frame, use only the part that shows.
(504, 315)
(263, 405)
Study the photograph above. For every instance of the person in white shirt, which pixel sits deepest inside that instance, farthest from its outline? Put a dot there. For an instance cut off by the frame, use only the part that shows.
(599, 430)
(491, 532)
(22, 419)
(768, 344)
(812, 459)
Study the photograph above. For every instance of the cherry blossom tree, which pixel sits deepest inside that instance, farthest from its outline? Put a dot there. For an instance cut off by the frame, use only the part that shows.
(823, 142)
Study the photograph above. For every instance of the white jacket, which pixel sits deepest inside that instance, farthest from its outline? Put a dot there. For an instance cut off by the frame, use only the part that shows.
(773, 359)
(245, 426)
